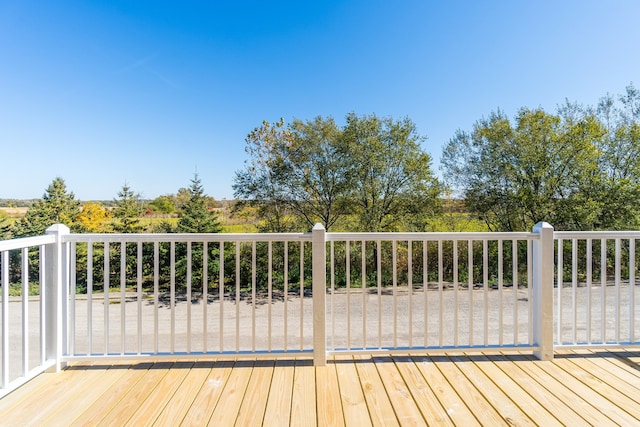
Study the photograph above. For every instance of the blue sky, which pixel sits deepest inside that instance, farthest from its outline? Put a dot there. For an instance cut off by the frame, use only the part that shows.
(147, 92)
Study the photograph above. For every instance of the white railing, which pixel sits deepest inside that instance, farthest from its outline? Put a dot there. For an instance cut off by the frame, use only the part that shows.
(28, 316)
(210, 295)
(430, 291)
(596, 286)
(172, 302)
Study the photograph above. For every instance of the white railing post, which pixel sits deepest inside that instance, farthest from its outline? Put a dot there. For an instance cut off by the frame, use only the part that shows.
(55, 277)
(319, 289)
(543, 291)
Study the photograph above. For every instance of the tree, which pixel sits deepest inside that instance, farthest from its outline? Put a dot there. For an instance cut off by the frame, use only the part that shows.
(264, 181)
(392, 185)
(197, 216)
(307, 172)
(542, 168)
(93, 218)
(296, 175)
(619, 161)
(163, 205)
(127, 211)
(56, 206)
(5, 227)
(320, 183)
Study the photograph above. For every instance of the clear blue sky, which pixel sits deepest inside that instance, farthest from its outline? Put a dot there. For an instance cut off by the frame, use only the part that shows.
(146, 92)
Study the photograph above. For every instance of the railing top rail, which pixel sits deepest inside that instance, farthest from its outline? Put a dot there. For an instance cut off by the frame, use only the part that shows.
(432, 236)
(596, 235)
(187, 237)
(26, 242)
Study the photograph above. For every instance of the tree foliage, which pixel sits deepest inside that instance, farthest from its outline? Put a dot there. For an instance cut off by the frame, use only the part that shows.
(578, 169)
(306, 172)
(163, 204)
(5, 227)
(197, 215)
(56, 206)
(391, 183)
(93, 218)
(127, 211)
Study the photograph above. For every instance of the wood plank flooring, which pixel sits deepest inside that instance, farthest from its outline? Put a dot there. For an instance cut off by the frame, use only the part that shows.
(578, 388)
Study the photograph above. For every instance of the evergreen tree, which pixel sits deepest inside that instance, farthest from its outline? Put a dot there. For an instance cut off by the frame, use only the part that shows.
(56, 206)
(197, 217)
(5, 228)
(127, 211)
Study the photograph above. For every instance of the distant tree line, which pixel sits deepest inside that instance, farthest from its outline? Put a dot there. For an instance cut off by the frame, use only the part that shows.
(192, 206)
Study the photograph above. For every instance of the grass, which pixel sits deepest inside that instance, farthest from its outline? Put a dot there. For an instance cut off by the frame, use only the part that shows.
(15, 289)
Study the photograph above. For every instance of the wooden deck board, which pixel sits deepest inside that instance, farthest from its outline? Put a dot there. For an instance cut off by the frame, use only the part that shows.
(380, 408)
(556, 397)
(446, 393)
(498, 398)
(206, 400)
(109, 399)
(503, 373)
(593, 397)
(354, 405)
(601, 386)
(328, 403)
(303, 399)
(626, 370)
(251, 412)
(92, 391)
(173, 414)
(278, 410)
(44, 401)
(127, 406)
(615, 376)
(470, 395)
(596, 387)
(404, 406)
(230, 401)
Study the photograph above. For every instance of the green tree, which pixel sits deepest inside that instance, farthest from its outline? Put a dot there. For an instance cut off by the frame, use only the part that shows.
(392, 186)
(163, 205)
(5, 227)
(127, 211)
(197, 216)
(307, 172)
(619, 190)
(264, 181)
(296, 176)
(544, 167)
(56, 206)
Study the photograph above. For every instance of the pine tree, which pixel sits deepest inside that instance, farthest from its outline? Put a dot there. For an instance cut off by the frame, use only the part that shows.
(196, 216)
(5, 228)
(127, 211)
(56, 207)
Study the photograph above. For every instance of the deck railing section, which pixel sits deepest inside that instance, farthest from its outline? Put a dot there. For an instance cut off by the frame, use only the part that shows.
(28, 306)
(596, 287)
(430, 291)
(180, 295)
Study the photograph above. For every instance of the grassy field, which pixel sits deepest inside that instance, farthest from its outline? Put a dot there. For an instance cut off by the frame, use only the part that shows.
(13, 212)
(243, 223)
(229, 223)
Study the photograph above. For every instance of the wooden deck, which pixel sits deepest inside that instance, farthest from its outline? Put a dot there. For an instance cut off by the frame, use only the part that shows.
(577, 388)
